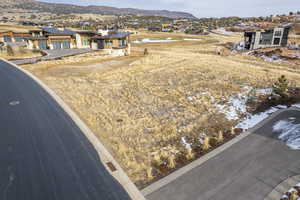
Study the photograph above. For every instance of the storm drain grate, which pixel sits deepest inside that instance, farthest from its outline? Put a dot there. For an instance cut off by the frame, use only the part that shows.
(111, 167)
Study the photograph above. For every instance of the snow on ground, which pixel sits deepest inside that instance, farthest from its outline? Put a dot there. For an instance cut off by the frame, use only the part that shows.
(289, 133)
(264, 91)
(147, 40)
(236, 107)
(223, 31)
(185, 143)
(251, 120)
(191, 39)
(274, 58)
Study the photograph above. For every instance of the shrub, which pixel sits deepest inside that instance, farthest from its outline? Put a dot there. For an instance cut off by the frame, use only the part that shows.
(280, 87)
(10, 50)
(146, 52)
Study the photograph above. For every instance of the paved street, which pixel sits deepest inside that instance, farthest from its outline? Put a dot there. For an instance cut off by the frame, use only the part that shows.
(43, 154)
(249, 170)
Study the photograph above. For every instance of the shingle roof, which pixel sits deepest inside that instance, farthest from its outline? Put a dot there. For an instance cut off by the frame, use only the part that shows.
(56, 31)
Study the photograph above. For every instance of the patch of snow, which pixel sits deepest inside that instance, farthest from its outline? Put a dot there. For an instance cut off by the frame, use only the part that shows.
(235, 106)
(147, 40)
(185, 143)
(239, 46)
(281, 106)
(274, 58)
(190, 98)
(191, 39)
(251, 120)
(297, 105)
(289, 133)
(223, 31)
(265, 91)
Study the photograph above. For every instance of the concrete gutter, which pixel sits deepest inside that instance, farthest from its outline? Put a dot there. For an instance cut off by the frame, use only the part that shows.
(180, 172)
(104, 154)
(283, 187)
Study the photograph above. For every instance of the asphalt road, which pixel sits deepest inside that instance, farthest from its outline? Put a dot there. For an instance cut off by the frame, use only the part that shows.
(43, 154)
(249, 170)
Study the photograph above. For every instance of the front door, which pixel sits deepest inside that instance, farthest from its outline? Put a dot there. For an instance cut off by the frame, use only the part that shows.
(100, 44)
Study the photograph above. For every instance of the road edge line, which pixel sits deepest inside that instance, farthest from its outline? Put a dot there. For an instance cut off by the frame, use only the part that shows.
(119, 174)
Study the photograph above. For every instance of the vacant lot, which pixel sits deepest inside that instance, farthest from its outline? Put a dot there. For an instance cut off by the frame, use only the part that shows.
(148, 109)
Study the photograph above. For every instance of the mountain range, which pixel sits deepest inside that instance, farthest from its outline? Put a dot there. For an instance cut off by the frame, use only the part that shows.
(58, 8)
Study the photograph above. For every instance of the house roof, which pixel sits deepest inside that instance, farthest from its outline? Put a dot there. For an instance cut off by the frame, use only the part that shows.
(113, 35)
(57, 31)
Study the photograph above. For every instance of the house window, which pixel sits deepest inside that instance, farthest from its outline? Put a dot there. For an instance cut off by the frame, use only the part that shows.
(266, 38)
(109, 42)
(277, 41)
(18, 39)
(85, 42)
(7, 38)
(278, 33)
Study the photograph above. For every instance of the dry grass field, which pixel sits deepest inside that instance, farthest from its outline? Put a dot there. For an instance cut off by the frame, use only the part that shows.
(19, 54)
(156, 110)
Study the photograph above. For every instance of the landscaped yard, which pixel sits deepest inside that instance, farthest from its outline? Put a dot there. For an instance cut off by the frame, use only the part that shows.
(156, 112)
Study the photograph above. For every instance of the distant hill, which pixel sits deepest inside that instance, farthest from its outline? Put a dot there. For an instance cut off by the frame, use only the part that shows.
(103, 10)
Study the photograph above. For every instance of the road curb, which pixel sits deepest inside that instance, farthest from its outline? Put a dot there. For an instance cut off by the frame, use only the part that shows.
(283, 187)
(173, 176)
(104, 154)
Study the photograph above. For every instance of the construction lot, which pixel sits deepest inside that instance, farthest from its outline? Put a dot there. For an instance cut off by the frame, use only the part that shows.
(148, 109)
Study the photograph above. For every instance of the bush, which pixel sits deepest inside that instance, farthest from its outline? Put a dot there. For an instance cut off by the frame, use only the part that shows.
(10, 50)
(146, 52)
(280, 87)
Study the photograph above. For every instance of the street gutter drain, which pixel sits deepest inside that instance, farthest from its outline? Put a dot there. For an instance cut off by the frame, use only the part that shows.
(111, 167)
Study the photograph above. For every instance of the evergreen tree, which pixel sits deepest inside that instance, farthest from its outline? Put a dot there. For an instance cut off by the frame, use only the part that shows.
(280, 87)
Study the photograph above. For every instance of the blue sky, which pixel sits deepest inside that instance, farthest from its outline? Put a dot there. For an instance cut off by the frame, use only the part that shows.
(201, 8)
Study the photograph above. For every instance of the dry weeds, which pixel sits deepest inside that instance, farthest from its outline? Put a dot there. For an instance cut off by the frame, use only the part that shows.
(142, 110)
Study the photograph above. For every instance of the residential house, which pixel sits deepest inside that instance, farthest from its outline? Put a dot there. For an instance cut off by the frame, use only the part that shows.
(277, 37)
(52, 38)
(117, 43)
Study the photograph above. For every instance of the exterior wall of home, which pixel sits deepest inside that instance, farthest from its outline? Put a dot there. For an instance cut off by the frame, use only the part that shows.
(282, 38)
(82, 41)
(61, 38)
(13, 36)
(94, 45)
(78, 41)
